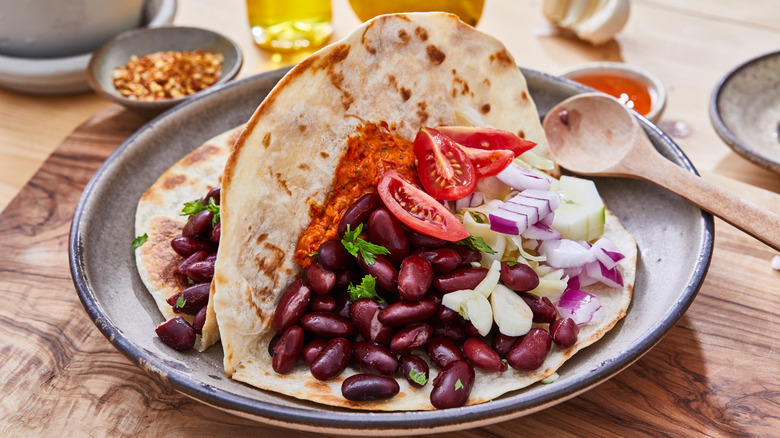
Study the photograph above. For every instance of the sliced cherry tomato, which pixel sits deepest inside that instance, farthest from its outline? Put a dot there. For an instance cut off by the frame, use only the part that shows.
(417, 209)
(486, 138)
(445, 170)
(489, 163)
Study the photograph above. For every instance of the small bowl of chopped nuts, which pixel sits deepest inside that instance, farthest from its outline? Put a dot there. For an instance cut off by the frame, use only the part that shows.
(151, 70)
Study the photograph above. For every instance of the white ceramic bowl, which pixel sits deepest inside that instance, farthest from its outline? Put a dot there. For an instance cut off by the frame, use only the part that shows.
(67, 74)
(654, 86)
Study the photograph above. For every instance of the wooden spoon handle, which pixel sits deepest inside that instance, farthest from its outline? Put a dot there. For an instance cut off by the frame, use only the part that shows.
(741, 213)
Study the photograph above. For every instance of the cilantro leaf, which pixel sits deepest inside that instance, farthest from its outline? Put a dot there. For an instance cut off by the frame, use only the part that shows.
(366, 289)
(511, 263)
(180, 302)
(458, 385)
(195, 207)
(355, 245)
(477, 243)
(418, 377)
(138, 241)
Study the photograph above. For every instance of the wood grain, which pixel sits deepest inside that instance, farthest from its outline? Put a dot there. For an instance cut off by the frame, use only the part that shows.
(714, 374)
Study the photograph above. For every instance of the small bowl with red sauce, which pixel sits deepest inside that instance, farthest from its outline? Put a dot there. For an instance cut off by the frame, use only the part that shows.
(636, 88)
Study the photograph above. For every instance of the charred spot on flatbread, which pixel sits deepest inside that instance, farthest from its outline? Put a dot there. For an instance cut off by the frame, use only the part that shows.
(435, 55)
(159, 258)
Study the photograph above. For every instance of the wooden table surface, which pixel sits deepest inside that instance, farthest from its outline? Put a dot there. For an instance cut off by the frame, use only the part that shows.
(714, 374)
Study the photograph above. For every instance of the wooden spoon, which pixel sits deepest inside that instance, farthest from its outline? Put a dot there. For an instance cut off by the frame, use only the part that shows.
(595, 134)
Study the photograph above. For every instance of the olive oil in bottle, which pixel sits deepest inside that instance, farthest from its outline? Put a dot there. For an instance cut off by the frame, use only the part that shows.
(289, 25)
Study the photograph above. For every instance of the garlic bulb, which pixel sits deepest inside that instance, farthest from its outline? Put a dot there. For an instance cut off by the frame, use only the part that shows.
(595, 21)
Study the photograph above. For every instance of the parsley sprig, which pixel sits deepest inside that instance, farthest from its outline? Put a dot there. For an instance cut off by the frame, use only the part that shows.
(366, 289)
(355, 245)
(138, 241)
(196, 207)
(478, 243)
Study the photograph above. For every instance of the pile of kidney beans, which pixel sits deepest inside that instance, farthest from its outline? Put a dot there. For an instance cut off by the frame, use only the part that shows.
(315, 320)
(198, 245)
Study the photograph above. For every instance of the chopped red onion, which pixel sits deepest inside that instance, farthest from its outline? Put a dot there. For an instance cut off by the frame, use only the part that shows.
(520, 179)
(578, 305)
(473, 200)
(564, 253)
(607, 252)
(505, 222)
(540, 231)
(599, 272)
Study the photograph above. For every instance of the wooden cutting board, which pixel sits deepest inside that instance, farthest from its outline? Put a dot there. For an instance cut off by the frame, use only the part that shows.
(714, 374)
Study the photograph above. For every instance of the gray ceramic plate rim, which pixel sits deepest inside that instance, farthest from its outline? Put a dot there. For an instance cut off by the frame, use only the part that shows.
(356, 421)
(724, 132)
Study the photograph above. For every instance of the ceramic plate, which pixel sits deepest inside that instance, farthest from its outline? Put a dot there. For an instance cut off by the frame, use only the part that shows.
(745, 110)
(674, 238)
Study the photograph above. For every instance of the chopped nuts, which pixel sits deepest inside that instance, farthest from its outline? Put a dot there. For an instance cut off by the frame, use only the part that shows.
(169, 74)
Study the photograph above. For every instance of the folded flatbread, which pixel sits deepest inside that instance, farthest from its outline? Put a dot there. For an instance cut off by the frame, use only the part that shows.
(158, 216)
(409, 70)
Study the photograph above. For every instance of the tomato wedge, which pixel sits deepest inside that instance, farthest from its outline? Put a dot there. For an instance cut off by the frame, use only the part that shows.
(486, 138)
(417, 209)
(446, 172)
(488, 163)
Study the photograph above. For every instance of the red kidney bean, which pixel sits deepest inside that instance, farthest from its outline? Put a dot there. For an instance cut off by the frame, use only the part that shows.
(333, 255)
(312, 350)
(177, 333)
(364, 313)
(447, 316)
(414, 278)
(192, 299)
(385, 230)
(412, 362)
(529, 352)
(320, 280)
(343, 278)
(365, 387)
(467, 255)
(502, 343)
(216, 233)
(452, 387)
(443, 351)
(197, 256)
(409, 338)
(332, 360)
(327, 325)
(543, 309)
(322, 303)
(564, 332)
(374, 357)
(272, 343)
(452, 330)
(358, 212)
(442, 259)
(287, 350)
(407, 312)
(201, 272)
(459, 279)
(420, 240)
(199, 320)
(212, 257)
(518, 277)
(186, 246)
(470, 329)
(385, 273)
(342, 303)
(482, 356)
(291, 307)
(213, 193)
(198, 224)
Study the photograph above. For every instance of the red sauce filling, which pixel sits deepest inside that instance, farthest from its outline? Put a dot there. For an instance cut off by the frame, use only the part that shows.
(372, 150)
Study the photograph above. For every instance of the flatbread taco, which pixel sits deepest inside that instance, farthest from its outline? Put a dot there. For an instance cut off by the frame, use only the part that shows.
(414, 147)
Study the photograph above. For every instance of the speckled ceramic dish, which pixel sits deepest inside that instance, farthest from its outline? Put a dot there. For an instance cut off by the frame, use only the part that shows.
(745, 110)
(117, 52)
(674, 237)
